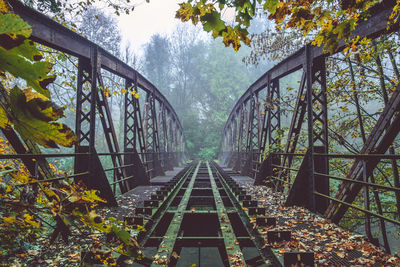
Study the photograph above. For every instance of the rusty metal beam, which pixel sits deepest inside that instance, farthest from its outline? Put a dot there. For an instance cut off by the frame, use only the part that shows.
(52, 34)
(374, 26)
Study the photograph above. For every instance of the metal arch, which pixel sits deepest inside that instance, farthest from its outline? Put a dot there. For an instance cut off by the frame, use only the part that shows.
(52, 34)
(370, 28)
(374, 26)
(312, 92)
(92, 59)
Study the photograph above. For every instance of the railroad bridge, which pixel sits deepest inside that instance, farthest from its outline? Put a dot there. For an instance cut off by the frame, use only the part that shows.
(259, 204)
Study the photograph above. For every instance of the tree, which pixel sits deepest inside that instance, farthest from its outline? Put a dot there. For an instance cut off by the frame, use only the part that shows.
(101, 29)
(157, 63)
(187, 50)
(77, 7)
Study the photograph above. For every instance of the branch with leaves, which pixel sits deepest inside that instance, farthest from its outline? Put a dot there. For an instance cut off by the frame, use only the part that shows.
(32, 207)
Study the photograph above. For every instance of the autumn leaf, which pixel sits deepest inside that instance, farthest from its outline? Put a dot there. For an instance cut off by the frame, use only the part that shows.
(4, 121)
(174, 255)
(186, 12)
(213, 22)
(4, 7)
(13, 30)
(20, 57)
(33, 120)
(230, 38)
(21, 177)
(29, 219)
(93, 220)
(91, 196)
(271, 5)
(9, 220)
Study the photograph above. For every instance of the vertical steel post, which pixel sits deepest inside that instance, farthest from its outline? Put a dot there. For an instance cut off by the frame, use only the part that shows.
(320, 131)
(151, 135)
(132, 134)
(237, 164)
(309, 81)
(86, 103)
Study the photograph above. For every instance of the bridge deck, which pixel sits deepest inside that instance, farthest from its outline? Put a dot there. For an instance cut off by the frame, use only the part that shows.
(161, 180)
(136, 197)
(331, 244)
(309, 232)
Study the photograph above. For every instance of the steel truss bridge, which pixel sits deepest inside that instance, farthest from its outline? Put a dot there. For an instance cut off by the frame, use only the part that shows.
(153, 144)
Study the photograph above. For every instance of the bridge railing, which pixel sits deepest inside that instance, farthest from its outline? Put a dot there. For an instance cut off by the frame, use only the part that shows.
(261, 141)
(152, 135)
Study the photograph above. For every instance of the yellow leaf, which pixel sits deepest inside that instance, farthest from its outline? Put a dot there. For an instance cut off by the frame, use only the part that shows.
(75, 196)
(4, 8)
(29, 219)
(9, 220)
(3, 118)
(186, 12)
(21, 177)
(90, 195)
(35, 120)
(29, 94)
(230, 37)
(8, 189)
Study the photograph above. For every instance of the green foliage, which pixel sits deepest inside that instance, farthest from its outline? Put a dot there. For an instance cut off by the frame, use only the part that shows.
(34, 120)
(31, 209)
(14, 30)
(202, 81)
(207, 13)
(51, 5)
(20, 57)
(212, 21)
(326, 20)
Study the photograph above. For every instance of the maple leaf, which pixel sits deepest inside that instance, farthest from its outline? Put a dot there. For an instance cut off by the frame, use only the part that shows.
(33, 121)
(186, 12)
(271, 5)
(231, 38)
(91, 196)
(212, 22)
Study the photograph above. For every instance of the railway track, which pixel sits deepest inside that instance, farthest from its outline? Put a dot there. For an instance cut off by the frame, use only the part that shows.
(202, 217)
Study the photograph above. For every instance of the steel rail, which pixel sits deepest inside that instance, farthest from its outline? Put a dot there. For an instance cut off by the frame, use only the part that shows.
(350, 156)
(394, 189)
(57, 178)
(359, 156)
(183, 175)
(169, 239)
(228, 234)
(358, 208)
(266, 253)
(121, 180)
(21, 156)
(123, 166)
(62, 155)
